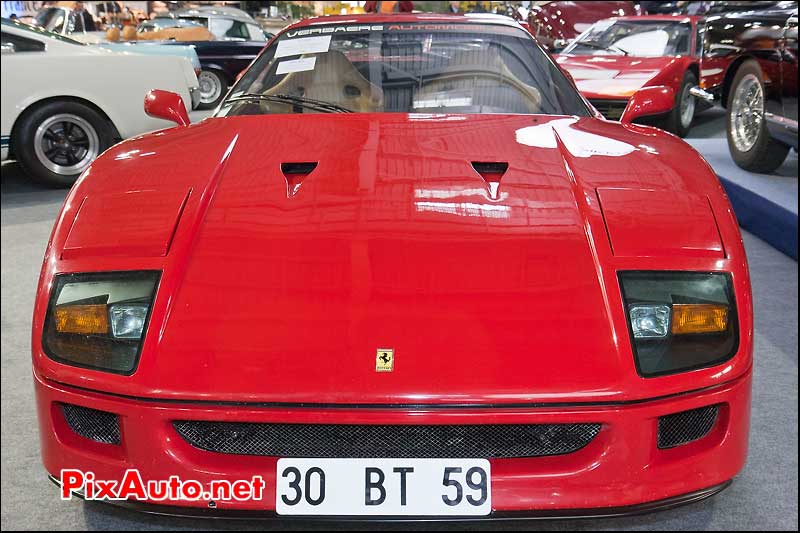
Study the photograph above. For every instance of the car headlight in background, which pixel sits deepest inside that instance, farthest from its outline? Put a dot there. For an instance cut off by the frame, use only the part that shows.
(679, 321)
(98, 320)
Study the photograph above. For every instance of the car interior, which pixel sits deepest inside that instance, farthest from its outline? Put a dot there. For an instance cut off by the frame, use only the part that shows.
(414, 75)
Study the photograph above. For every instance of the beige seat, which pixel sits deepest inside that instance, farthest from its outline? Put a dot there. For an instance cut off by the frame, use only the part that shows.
(486, 65)
(179, 34)
(129, 33)
(334, 79)
(112, 34)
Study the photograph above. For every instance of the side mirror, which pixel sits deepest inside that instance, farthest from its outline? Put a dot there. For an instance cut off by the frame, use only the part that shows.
(648, 101)
(8, 48)
(166, 105)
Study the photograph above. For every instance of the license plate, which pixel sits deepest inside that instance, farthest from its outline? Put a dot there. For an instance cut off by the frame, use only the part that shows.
(386, 487)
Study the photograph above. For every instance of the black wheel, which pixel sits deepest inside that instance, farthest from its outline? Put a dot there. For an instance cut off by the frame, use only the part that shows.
(749, 141)
(213, 86)
(57, 141)
(679, 120)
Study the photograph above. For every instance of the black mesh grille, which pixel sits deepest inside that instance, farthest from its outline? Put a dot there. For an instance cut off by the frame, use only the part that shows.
(686, 426)
(377, 441)
(96, 425)
(611, 109)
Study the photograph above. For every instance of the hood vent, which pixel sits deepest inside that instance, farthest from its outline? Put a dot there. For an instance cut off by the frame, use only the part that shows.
(295, 173)
(491, 172)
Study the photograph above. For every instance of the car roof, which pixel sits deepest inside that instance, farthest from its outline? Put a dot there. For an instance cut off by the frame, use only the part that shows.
(217, 11)
(379, 18)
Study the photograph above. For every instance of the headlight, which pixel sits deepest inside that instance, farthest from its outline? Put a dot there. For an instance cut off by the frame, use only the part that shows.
(98, 320)
(679, 321)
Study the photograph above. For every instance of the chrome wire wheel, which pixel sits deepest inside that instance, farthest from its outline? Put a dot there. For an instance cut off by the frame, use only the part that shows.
(66, 144)
(210, 87)
(747, 112)
(687, 104)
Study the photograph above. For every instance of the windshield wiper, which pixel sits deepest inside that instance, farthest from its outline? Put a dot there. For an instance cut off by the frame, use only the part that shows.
(598, 46)
(300, 101)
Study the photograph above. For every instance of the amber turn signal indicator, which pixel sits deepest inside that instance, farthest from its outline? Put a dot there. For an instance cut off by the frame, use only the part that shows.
(699, 318)
(82, 319)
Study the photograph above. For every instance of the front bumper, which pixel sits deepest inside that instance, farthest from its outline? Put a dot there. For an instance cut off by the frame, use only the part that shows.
(621, 471)
(600, 512)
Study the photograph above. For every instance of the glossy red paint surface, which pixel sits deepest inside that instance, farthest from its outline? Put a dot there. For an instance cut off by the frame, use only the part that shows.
(648, 101)
(393, 226)
(488, 297)
(166, 105)
(635, 231)
(126, 232)
(611, 77)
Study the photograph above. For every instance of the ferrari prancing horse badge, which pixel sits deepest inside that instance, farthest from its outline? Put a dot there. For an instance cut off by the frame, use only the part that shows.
(384, 360)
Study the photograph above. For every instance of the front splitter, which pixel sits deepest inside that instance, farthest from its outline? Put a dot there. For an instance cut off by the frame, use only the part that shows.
(554, 514)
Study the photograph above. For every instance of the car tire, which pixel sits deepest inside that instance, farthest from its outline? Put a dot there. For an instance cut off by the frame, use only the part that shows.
(749, 141)
(679, 121)
(213, 86)
(55, 142)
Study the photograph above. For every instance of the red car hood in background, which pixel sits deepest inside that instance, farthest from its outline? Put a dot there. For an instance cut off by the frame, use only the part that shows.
(611, 76)
(393, 241)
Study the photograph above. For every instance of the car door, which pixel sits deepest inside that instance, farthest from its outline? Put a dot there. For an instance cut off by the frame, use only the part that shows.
(789, 72)
(17, 51)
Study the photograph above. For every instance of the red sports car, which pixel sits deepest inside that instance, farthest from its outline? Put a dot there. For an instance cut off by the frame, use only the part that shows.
(616, 57)
(403, 271)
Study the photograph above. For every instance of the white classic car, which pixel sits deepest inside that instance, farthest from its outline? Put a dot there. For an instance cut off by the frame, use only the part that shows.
(63, 102)
(67, 22)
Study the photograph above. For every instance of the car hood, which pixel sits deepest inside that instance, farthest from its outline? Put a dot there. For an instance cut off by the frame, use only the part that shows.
(613, 77)
(281, 288)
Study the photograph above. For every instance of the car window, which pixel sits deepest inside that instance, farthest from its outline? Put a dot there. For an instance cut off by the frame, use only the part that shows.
(651, 38)
(698, 45)
(203, 21)
(21, 44)
(408, 68)
(229, 29)
(256, 34)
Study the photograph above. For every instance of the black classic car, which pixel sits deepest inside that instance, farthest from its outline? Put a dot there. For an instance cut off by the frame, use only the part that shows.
(756, 54)
(238, 40)
(221, 62)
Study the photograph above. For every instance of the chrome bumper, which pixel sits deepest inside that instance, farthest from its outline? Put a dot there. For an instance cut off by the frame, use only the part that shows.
(702, 94)
(194, 92)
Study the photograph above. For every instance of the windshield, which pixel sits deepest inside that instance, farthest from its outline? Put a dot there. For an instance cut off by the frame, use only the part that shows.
(51, 18)
(54, 19)
(404, 68)
(160, 24)
(201, 21)
(652, 38)
(41, 31)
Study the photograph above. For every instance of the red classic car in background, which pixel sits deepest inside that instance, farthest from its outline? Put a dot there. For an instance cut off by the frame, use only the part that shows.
(616, 57)
(555, 24)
